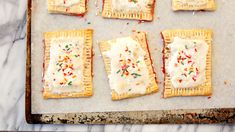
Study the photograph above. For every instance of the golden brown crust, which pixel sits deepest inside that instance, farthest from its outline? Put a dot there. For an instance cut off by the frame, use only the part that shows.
(204, 89)
(87, 61)
(108, 12)
(77, 9)
(141, 38)
(208, 5)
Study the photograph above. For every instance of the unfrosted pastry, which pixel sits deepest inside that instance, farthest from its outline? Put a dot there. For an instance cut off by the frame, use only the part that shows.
(187, 62)
(208, 5)
(69, 7)
(129, 66)
(129, 9)
(68, 64)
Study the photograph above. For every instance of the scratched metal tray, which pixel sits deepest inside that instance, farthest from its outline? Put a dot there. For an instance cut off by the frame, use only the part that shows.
(180, 116)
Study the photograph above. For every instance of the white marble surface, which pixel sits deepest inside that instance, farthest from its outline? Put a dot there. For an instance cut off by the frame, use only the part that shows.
(12, 81)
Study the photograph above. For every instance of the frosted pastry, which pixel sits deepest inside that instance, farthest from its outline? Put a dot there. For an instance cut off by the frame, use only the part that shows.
(129, 66)
(187, 62)
(208, 5)
(69, 7)
(68, 64)
(129, 9)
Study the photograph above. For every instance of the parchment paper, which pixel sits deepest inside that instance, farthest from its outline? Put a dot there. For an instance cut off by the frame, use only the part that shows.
(222, 21)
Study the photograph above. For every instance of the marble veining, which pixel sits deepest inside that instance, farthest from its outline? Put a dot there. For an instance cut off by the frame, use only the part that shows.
(12, 81)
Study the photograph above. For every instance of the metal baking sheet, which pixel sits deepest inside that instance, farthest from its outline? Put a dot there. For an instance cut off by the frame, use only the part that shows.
(147, 109)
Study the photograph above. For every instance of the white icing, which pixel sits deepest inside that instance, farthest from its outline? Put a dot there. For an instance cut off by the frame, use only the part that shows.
(58, 52)
(124, 84)
(176, 68)
(192, 2)
(139, 5)
(66, 3)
